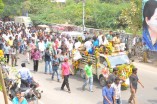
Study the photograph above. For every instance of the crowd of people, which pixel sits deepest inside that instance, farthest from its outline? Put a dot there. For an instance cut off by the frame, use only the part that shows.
(56, 50)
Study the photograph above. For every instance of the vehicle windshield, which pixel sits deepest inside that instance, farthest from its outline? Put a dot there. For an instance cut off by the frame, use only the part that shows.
(118, 60)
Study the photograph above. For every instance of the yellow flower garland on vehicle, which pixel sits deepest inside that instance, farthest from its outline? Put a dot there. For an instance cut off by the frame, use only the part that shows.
(97, 52)
(75, 64)
(124, 71)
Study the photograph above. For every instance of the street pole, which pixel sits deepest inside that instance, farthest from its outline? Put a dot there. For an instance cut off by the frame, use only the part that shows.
(3, 86)
(83, 14)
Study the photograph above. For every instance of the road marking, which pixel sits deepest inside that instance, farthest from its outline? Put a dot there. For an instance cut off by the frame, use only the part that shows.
(40, 102)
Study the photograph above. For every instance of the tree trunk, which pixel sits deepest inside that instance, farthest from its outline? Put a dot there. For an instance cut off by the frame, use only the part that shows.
(3, 87)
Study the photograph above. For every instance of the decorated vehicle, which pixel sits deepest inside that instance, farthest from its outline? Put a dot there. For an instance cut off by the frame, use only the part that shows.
(103, 65)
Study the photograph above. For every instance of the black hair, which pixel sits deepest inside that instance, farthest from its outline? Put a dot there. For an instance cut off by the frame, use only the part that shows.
(134, 69)
(108, 82)
(47, 48)
(76, 40)
(89, 62)
(149, 10)
(18, 91)
(110, 31)
(94, 38)
(23, 65)
(117, 78)
(117, 34)
(115, 69)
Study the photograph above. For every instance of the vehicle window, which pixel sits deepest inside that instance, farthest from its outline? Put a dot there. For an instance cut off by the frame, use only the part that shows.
(118, 60)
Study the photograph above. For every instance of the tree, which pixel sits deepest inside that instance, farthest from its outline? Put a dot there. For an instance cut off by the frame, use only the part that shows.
(1, 6)
(12, 8)
(132, 16)
(26, 7)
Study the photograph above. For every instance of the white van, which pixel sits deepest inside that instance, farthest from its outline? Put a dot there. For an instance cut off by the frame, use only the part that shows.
(23, 19)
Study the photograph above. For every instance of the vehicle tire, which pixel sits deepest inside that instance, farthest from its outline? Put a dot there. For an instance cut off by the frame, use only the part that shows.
(38, 95)
(102, 81)
(82, 73)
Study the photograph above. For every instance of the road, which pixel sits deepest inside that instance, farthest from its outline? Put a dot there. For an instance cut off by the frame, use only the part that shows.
(53, 95)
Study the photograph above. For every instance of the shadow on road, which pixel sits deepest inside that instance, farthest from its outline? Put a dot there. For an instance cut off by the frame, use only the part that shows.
(79, 89)
(153, 101)
(78, 78)
(123, 102)
(49, 79)
(155, 88)
(59, 89)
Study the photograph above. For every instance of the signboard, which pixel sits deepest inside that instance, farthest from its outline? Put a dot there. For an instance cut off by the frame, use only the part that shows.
(149, 9)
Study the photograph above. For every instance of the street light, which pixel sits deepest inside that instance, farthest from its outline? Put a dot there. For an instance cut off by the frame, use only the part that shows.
(83, 15)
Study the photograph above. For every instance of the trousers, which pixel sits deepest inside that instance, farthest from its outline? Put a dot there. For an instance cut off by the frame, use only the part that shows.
(66, 82)
(35, 62)
(133, 97)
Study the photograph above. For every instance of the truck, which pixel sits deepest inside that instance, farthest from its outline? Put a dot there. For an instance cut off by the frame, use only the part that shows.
(23, 20)
(103, 65)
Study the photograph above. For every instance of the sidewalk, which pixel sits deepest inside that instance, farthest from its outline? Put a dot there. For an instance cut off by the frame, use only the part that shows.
(2, 99)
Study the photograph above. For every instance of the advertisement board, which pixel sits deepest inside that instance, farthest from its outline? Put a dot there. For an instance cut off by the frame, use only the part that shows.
(149, 9)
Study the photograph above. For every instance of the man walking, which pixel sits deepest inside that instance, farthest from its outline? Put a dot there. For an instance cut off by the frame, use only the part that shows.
(117, 87)
(55, 65)
(133, 86)
(89, 77)
(48, 65)
(108, 93)
(65, 74)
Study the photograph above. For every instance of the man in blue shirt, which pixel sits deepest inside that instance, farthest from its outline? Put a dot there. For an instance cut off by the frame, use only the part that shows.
(95, 41)
(55, 64)
(108, 93)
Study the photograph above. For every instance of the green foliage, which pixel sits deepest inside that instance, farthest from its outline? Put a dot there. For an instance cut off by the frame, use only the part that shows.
(97, 15)
(1, 6)
(105, 14)
(133, 18)
(12, 8)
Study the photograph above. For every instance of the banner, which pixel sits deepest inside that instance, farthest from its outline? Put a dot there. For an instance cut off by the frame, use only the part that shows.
(149, 9)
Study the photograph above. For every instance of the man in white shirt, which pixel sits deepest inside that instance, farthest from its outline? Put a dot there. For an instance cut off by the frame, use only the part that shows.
(88, 45)
(41, 46)
(70, 46)
(117, 87)
(103, 40)
(77, 44)
(6, 36)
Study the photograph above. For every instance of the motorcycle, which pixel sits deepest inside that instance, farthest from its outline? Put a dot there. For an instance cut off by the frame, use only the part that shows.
(34, 85)
(27, 92)
(36, 89)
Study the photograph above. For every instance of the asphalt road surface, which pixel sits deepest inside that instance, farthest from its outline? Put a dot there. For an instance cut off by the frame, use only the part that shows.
(53, 95)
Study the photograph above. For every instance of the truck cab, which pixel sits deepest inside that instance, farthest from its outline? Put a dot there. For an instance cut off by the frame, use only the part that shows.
(103, 65)
(119, 60)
